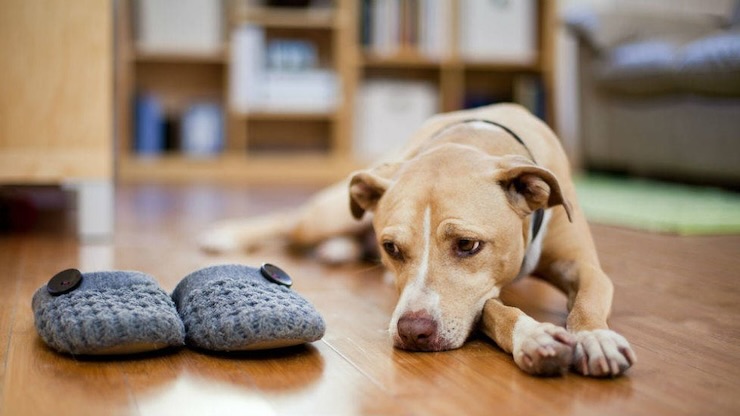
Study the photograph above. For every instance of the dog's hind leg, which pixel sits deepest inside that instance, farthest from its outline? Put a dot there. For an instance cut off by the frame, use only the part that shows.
(327, 215)
(324, 217)
(249, 233)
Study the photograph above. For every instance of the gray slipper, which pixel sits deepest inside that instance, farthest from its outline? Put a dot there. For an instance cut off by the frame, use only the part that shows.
(241, 308)
(101, 313)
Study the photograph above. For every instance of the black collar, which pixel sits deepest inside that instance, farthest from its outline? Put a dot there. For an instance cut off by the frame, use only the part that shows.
(506, 129)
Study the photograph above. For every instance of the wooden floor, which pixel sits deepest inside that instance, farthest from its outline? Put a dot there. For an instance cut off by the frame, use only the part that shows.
(677, 301)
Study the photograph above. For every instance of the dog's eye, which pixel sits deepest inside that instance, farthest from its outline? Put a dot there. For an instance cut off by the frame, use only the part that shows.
(467, 248)
(392, 249)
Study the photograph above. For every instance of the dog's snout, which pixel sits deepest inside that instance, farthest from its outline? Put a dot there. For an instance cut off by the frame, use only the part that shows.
(418, 331)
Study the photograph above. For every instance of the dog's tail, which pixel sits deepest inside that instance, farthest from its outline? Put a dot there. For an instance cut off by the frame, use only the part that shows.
(250, 233)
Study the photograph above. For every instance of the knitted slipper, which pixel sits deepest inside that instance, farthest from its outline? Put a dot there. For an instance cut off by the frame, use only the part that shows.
(240, 308)
(101, 313)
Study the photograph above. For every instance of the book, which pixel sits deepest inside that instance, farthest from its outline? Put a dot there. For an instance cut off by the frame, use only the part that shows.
(149, 125)
(388, 27)
(434, 28)
(384, 32)
(281, 75)
(247, 70)
(202, 130)
(528, 91)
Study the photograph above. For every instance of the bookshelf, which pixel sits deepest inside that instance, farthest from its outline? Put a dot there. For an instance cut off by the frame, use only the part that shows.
(281, 145)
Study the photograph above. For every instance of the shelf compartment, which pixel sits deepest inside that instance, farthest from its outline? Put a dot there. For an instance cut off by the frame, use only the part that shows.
(278, 136)
(177, 86)
(324, 135)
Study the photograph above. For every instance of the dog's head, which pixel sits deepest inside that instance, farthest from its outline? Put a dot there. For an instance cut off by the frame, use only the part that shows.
(451, 225)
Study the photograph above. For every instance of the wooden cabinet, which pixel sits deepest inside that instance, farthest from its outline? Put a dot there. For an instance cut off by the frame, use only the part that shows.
(277, 146)
(56, 101)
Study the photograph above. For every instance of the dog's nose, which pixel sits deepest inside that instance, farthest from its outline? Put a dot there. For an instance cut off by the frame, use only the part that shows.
(418, 331)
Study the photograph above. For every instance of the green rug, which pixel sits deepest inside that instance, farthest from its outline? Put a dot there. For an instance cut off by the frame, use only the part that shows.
(658, 206)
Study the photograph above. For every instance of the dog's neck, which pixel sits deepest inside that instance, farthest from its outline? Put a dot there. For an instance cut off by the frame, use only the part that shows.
(539, 220)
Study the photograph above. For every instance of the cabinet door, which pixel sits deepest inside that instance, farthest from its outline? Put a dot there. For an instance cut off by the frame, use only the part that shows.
(56, 91)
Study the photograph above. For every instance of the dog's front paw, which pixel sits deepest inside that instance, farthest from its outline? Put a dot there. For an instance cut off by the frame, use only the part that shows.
(218, 240)
(543, 349)
(602, 353)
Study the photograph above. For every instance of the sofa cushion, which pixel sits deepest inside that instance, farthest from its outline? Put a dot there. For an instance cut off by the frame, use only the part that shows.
(640, 67)
(603, 30)
(707, 66)
(711, 65)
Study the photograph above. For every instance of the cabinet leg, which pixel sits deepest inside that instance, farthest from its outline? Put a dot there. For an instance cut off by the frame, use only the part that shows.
(95, 209)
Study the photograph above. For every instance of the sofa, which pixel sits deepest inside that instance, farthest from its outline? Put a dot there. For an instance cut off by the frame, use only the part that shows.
(659, 92)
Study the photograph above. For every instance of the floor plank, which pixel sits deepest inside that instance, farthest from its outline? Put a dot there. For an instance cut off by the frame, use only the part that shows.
(677, 300)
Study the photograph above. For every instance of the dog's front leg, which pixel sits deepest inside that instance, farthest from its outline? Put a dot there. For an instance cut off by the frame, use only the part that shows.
(538, 348)
(569, 261)
(600, 352)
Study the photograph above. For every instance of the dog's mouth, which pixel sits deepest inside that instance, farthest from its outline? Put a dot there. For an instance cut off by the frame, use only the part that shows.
(423, 345)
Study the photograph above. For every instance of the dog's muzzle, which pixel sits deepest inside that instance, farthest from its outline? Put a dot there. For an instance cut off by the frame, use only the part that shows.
(417, 331)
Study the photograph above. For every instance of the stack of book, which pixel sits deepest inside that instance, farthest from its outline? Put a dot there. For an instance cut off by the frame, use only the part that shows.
(194, 127)
(281, 75)
(390, 27)
(488, 30)
(197, 133)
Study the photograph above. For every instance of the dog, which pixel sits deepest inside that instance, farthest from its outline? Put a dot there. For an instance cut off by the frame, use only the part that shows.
(475, 200)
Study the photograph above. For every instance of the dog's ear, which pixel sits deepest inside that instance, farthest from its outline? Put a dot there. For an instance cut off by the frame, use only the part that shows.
(530, 187)
(366, 187)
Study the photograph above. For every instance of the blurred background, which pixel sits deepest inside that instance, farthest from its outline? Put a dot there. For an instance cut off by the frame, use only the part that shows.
(95, 94)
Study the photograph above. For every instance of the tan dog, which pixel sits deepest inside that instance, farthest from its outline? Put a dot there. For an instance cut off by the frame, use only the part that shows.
(477, 199)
